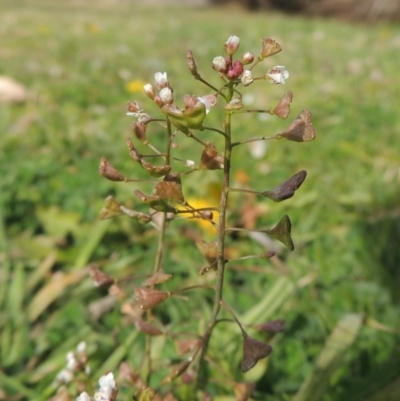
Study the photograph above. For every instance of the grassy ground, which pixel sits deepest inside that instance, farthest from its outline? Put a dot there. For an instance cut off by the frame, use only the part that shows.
(79, 61)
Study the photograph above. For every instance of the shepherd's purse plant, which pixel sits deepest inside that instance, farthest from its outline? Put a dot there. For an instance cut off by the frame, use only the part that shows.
(195, 371)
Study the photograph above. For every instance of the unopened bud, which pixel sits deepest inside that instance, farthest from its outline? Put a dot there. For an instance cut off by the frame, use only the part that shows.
(191, 64)
(149, 90)
(232, 45)
(236, 71)
(158, 101)
(247, 58)
(166, 95)
(219, 64)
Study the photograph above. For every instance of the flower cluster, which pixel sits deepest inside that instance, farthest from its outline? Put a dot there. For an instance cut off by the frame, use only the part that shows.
(191, 116)
(75, 362)
(108, 390)
(234, 70)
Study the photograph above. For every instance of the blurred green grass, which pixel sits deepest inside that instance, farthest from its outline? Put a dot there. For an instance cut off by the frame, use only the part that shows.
(77, 59)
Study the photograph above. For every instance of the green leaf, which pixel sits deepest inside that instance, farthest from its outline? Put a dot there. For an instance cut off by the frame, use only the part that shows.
(330, 358)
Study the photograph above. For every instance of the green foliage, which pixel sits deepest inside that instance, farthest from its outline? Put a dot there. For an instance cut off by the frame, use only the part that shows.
(78, 62)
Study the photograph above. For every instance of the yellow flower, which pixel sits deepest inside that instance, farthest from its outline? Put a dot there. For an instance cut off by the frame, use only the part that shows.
(135, 86)
(200, 203)
(94, 29)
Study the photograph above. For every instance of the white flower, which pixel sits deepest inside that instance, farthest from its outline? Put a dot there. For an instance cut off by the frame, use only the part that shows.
(219, 64)
(83, 397)
(166, 95)
(107, 381)
(190, 163)
(161, 79)
(72, 362)
(246, 78)
(209, 101)
(81, 348)
(143, 117)
(65, 376)
(277, 74)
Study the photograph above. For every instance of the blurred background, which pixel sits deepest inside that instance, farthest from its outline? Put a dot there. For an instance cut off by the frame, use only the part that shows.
(67, 70)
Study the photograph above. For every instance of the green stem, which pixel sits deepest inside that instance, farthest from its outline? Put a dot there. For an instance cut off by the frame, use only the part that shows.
(201, 377)
(159, 259)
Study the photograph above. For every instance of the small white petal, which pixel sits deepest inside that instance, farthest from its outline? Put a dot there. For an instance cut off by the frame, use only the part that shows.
(83, 397)
(209, 101)
(246, 78)
(81, 348)
(161, 79)
(219, 64)
(65, 376)
(166, 95)
(107, 380)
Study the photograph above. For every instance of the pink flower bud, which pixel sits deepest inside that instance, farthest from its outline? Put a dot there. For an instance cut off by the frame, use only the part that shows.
(158, 101)
(149, 91)
(235, 71)
(247, 58)
(232, 45)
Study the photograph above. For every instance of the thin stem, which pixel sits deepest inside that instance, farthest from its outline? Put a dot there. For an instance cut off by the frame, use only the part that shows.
(225, 306)
(262, 256)
(199, 78)
(190, 134)
(192, 287)
(201, 377)
(253, 111)
(261, 138)
(249, 191)
(159, 259)
(247, 230)
(215, 130)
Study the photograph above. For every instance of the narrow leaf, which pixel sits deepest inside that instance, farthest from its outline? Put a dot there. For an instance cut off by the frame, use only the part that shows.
(330, 358)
